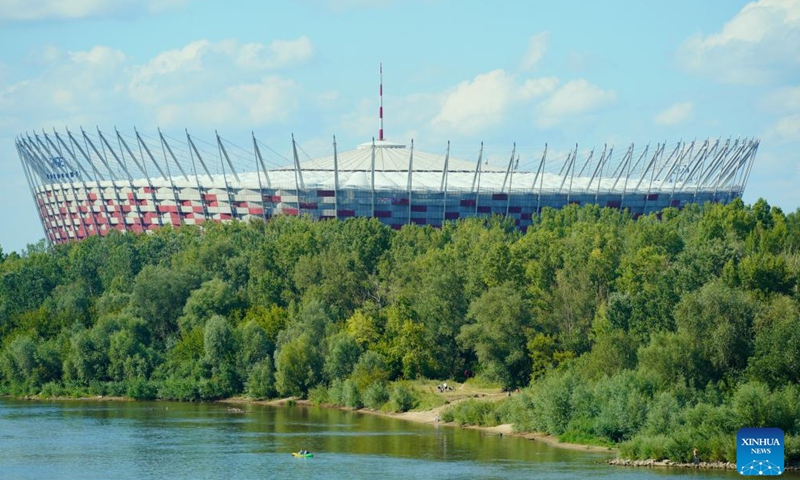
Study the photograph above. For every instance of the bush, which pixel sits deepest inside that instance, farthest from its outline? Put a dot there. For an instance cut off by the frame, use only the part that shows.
(643, 447)
(52, 389)
(350, 394)
(622, 407)
(553, 398)
(520, 410)
(473, 412)
(751, 405)
(318, 395)
(662, 414)
(679, 446)
(376, 395)
(371, 368)
(141, 389)
(791, 449)
(261, 381)
(401, 398)
(183, 389)
(336, 392)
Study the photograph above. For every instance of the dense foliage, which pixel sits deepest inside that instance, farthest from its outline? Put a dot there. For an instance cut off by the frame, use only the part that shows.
(661, 333)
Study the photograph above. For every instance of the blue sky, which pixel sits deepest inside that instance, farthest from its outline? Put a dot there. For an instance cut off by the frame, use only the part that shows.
(594, 73)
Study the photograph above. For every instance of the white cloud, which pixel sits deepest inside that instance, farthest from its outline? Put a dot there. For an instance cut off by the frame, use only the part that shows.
(537, 87)
(475, 105)
(675, 114)
(574, 99)
(269, 101)
(198, 84)
(362, 122)
(81, 83)
(537, 47)
(402, 116)
(37, 10)
(278, 54)
(760, 44)
(203, 66)
(786, 129)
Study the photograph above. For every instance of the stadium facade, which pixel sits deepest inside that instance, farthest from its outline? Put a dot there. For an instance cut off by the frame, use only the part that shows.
(92, 183)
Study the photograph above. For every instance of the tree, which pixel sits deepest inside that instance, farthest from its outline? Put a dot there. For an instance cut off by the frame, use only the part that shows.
(717, 322)
(498, 335)
(776, 352)
(442, 306)
(343, 353)
(18, 362)
(218, 342)
(298, 366)
(299, 358)
(214, 297)
(158, 297)
(647, 282)
(405, 343)
(371, 368)
(253, 345)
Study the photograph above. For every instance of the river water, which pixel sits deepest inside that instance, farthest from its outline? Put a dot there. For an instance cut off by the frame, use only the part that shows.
(160, 440)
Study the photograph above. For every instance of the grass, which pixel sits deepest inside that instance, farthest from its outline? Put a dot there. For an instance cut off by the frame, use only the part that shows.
(583, 438)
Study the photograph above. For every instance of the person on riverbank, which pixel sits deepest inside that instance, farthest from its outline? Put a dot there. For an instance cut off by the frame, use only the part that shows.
(695, 459)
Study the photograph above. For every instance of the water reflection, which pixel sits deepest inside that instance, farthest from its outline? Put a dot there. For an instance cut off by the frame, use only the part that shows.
(143, 440)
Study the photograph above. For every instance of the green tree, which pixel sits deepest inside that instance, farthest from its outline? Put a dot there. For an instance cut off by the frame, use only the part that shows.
(343, 354)
(717, 322)
(498, 335)
(776, 354)
(214, 297)
(159, 295)
(371, 368)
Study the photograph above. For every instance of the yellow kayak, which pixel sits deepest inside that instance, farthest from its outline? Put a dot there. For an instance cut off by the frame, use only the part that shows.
(302, 455)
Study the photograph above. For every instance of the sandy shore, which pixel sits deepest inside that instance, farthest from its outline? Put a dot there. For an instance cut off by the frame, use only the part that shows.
(430, 417)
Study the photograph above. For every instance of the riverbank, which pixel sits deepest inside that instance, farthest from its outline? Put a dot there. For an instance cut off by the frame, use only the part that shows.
(432, 416)
(621, 462)
(651, 463)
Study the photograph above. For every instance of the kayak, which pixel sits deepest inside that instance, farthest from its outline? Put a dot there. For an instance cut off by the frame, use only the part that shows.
(302, 455)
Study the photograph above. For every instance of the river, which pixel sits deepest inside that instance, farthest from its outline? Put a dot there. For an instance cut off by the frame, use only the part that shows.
(162, 440)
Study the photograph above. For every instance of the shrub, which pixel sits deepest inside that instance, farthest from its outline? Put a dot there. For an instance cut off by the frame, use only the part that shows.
(261, 381)
(318, 395)
(791, 448)
(448, 414)
(371, 368)
(141, 389)
(376, 395)
(183, 389)
(350, 394)
(622, 407)
(643, 447)
(401, 398)
(335, 393)
(52, 389)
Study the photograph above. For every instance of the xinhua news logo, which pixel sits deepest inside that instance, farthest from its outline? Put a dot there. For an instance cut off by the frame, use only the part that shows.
(759, 451)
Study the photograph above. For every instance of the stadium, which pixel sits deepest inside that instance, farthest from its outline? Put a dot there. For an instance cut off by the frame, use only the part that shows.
(92, 183)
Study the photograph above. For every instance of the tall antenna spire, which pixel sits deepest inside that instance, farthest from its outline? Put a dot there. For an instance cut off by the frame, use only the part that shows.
(380, 111)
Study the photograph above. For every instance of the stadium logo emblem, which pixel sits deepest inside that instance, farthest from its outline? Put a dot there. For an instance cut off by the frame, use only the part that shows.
(759, 451)
(58, 162)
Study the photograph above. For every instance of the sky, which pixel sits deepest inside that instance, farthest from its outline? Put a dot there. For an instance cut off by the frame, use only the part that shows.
(504, 73)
